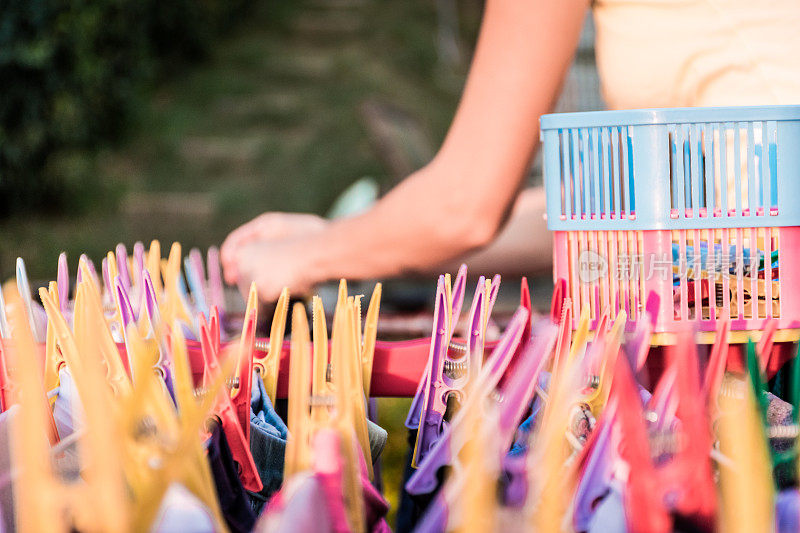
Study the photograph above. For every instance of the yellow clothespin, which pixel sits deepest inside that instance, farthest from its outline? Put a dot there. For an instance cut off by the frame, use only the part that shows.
(298, 452)
(475, 494)
(269, 365)
(87, 294)
(581, 336)
(613, 339)
(747, 490)
(53, 361)
(352, 348)
(319, 380)
(174, 305)
(164, 445)
(370, 337)
(40, 500)
(341, 340)
(106, 505)
(549, 487)
(153, 265)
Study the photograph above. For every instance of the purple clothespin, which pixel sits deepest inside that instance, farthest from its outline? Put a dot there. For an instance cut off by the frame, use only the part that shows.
(24, 289)
(124, 304)
(435, 518)
(424, 480)
(122, 265)
(138, 281)
(107, 284)
(216, 290)
(518, 390)
(433, 405)
(62, 280)
(637, 347)
(150, 300)
(596, 475)
(459, 286)
(195, 277)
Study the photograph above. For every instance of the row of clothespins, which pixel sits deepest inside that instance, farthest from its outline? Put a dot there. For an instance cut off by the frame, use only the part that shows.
(561, 430)
(139, 420)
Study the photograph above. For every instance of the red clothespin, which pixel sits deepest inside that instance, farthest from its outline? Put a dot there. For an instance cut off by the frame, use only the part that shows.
(241, 398)
(716, 365)
(238, 437)
(525, 301)
(764, 346)
(5, 381)
(688, 478)
(557, 303)
(644, 508)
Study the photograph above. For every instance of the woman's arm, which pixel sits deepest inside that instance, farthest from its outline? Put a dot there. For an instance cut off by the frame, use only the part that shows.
(460, 200)
(522, 248)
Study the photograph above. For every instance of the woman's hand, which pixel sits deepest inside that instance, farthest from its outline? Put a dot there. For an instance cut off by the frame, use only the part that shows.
(272, 251)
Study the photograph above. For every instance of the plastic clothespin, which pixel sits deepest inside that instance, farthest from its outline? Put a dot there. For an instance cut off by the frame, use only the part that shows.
(63, 282)
(596, 467)
(24, 288)
(716, 365)
(557, 302)
(609, 349)
(121, 254)
(645, 509)
(527, 303)
(216, 290)
(150, 302)
(154, 267)
(298, 452)
(174, 304)
(238, 441)
(370, 337)
(244, 374)
(268, 365)
(53, 360)
(195, 277)
(433, 405)
(424, 480)
(5, 331)
(764, 346)
(138, 272)
(319, 371)
(454, 299)
(6, 385)
(344, 387)
(355, 392)
(638, 346)
(117, 365)
(443, 382)
(687, 479)
(561, 354)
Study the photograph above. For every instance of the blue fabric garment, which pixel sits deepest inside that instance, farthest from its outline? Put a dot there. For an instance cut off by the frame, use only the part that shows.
(609, 516)
(787, 511)
(233, 500)
(67, 408)
(267, 444)
(181, 511)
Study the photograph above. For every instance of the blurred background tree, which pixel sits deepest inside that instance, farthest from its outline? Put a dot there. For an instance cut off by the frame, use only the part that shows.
(124, 120)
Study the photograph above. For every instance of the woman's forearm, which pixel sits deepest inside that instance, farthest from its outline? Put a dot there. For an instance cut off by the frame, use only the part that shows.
(460, 200)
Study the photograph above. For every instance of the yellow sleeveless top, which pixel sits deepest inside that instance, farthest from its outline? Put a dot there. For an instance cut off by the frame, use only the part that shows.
(681, 53)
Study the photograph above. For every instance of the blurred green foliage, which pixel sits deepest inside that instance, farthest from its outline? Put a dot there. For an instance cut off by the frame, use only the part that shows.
(72, 71)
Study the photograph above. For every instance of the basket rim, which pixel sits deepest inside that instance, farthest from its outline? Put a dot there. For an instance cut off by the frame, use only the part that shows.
(662, 116)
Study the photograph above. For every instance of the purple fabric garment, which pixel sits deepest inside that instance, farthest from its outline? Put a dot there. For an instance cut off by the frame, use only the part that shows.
(787, 511)
(609, 516)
